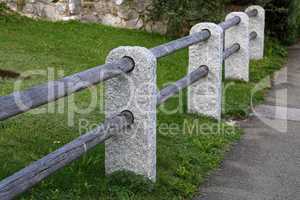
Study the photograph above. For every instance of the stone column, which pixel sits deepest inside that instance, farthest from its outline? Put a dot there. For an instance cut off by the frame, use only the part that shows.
(74, 7)
(135, 149)
(237, 65)
(205, 96)
(257, 24)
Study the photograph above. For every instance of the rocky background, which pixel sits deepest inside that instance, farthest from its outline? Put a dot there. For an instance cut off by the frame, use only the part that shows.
(41, 9)
(135, 14)
(123, 13)
(171, 17)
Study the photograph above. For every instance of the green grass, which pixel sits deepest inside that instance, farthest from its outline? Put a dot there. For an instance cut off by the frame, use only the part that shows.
(185, 158)
(238, 96)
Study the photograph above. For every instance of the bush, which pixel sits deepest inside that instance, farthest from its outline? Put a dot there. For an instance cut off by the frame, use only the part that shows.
(294, 20)
(282, 19)
(282, 16)
(183, 14)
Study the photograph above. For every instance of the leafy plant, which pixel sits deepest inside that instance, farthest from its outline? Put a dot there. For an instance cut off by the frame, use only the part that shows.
(282, 17)
(182, 14)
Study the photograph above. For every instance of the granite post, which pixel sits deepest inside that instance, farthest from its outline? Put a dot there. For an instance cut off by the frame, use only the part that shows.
(134, 149)
(257, 24)
(205, 96)
(237, 65)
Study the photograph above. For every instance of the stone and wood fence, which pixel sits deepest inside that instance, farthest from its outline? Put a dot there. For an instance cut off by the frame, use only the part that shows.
(131, 96)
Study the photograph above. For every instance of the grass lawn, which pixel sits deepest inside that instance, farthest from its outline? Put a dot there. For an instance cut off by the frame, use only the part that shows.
(185, 159)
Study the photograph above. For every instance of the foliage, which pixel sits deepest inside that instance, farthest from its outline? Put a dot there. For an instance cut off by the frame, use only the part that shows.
(294, 20)
(182, 14)
(282, 17)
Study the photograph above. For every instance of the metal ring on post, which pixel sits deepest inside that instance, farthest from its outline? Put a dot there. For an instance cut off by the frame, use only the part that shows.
(252, 13)
(128, 115)
(207, 31)
(253, 35)
(132, 63)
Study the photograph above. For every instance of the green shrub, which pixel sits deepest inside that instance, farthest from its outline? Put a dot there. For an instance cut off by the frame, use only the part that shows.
(282, 17)
(294, 20)
(183, 14)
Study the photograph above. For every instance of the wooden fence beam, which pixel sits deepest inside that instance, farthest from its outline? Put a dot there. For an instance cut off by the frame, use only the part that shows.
(39, 170)
(22, 101)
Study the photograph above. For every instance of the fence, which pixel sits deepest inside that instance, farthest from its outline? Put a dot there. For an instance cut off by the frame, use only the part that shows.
(130, 128)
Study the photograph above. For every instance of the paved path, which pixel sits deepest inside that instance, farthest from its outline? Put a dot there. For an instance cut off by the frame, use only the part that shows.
(265, 164)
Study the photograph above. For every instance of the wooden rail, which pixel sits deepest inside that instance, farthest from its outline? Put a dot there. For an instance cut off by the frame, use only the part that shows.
(39, 95)
(191, 78)
(39, 170)
(236, 47)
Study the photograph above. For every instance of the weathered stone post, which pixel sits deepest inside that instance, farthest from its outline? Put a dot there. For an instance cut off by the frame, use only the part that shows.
(74, 7)
(205, 96)
(257, 24)
(135, 149)
(237, 65)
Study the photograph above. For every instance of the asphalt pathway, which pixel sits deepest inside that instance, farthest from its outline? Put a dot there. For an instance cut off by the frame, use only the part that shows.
(265, 164)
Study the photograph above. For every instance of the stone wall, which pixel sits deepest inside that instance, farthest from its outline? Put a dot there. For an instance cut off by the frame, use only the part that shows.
(43, 9)
(123, 13)
(134, 14)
